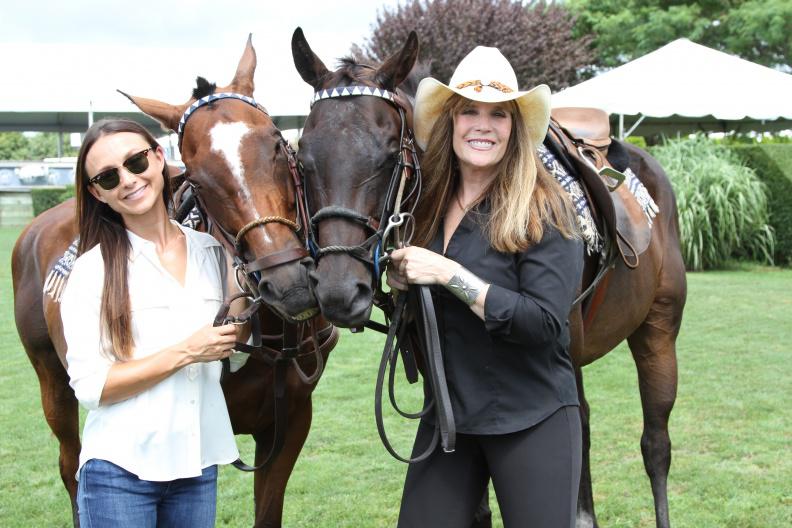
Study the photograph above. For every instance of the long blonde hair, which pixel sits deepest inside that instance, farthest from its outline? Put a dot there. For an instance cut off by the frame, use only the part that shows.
(523, 197)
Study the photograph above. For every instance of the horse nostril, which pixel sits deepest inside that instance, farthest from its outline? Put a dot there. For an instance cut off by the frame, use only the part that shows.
(364, 293)
(266, 289)
(308, 263)
(314, 276)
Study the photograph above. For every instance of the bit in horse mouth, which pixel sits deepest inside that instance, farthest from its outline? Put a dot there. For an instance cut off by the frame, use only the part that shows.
(306, 314)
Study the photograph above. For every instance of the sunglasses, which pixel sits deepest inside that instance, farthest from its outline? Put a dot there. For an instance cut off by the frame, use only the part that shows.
(136, 164)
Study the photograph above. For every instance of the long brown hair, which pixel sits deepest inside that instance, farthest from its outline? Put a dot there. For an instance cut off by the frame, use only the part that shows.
(523, 196)
(99, 224)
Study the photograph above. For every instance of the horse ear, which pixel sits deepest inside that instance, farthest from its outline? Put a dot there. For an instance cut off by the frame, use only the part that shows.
(243, 79)
(310, 67)
(396, 67)
(166, 114)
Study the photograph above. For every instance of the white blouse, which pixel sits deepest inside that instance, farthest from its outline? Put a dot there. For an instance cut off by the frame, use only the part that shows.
(180, 425)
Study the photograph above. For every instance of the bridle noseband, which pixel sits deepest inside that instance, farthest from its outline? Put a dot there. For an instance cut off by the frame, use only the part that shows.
(393, 221)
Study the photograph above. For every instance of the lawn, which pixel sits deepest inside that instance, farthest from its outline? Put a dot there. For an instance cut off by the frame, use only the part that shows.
(730, 428)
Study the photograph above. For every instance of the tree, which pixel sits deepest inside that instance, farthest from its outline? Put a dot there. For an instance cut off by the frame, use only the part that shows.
(13, 146)
(17, 146)
(756, 30)
(535, 37)
(45, 145)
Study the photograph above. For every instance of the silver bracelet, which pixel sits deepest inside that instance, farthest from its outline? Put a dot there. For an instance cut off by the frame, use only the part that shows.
(465, 286)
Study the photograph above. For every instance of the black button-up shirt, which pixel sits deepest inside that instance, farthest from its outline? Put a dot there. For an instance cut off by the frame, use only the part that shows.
(512, 370)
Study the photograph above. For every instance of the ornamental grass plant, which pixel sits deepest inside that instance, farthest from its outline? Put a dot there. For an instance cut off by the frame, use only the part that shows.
(722, 204)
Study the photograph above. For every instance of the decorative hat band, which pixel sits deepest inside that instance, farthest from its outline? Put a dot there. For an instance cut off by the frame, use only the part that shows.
(477, 86)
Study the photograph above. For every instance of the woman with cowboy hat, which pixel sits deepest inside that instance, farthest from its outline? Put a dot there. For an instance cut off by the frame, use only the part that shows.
(497, 236)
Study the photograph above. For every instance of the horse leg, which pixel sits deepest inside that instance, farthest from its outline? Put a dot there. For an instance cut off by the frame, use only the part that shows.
(61, 412)
(586, 518)
(269, 485)
(653, 346)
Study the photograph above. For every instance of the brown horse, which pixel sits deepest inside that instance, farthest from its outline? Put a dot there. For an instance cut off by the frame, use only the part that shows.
(349, 147)
(235, 161)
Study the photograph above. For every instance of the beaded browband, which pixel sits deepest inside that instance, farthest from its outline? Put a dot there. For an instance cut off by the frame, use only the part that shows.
(211, 98)
(348, 91)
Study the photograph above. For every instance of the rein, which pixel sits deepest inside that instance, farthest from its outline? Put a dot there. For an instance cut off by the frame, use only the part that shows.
(290, 341)
(394, 229)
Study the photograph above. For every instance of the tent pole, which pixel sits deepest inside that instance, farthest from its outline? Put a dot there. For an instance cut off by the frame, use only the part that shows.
(640, 120)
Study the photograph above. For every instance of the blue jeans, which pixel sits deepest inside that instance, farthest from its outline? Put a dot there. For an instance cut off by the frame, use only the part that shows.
(110, 496)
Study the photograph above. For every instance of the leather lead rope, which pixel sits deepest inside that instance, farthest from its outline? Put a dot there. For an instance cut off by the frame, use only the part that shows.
(445, 414)
(445, 428)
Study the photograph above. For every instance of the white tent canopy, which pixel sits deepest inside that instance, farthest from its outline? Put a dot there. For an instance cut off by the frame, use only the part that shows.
(47, 87)
(685, 86)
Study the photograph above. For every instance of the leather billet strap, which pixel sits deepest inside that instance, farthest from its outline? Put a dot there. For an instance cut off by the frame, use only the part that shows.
(299, 189)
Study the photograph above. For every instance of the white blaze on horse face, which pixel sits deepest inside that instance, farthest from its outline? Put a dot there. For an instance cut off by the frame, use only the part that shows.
(227, 141)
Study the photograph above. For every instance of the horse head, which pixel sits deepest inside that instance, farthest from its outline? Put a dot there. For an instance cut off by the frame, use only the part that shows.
(349, 151)
(238, 164)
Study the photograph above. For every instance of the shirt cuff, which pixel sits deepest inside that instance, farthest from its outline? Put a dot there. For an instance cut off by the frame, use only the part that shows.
(88, 388)
(499, 306)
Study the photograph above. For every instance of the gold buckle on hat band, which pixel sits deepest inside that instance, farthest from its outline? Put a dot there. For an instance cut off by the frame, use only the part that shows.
(477, 86)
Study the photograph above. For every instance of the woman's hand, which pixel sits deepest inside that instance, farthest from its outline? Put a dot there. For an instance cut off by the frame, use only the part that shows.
(210, 343)
(416, 265)
(128, 378)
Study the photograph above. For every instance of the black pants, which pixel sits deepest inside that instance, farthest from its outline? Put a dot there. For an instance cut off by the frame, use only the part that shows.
(535, 473)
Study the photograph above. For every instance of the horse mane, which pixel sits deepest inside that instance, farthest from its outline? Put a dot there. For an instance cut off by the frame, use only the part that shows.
(354, 70)
(203, 88)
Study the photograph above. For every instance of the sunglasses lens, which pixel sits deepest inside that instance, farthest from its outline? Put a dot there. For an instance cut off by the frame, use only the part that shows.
(108, 180)
(138, 163)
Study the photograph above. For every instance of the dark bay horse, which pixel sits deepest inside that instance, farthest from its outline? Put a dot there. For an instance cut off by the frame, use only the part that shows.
(236, 162)
(348, 149)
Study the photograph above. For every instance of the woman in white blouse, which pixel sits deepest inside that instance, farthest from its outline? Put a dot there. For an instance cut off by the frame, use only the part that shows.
(142, 353)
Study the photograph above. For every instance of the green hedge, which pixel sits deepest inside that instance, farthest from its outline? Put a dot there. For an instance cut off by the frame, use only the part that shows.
(45, 198)
(773, 165)
(722, 203)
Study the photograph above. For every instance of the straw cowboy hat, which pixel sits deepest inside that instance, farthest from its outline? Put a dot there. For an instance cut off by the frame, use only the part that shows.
(483, 75)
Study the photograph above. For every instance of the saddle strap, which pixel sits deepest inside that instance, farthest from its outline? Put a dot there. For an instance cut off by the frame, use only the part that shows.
(601, 201)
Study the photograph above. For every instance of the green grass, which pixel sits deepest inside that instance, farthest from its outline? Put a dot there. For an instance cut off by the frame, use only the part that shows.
(730, 428)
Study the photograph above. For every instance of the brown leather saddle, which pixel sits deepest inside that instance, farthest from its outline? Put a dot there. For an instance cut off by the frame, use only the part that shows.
(582, 138)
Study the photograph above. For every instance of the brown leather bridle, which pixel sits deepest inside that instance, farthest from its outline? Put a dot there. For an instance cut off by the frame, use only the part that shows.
(278, 351)
(394, 230)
